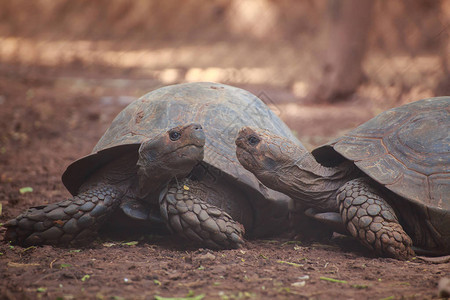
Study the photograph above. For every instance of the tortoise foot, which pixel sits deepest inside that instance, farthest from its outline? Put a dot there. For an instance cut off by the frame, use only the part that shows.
(191, 217)
(69, 222)
(370, 219)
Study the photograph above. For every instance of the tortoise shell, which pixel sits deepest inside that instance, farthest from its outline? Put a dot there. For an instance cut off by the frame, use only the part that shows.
(406, 149)
(221, 110)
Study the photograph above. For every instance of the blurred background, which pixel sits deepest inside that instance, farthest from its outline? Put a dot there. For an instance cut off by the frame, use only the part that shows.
(67, 67)
(323, 65)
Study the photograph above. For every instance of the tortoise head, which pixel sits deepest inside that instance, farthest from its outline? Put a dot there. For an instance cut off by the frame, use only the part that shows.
(172, 153)
(266, 154)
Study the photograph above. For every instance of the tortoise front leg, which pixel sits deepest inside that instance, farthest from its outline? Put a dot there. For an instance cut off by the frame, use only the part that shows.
(69, 222)
(370, 219)
(189, 215)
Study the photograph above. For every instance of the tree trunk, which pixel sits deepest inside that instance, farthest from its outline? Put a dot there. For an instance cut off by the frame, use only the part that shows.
(443, 87)
(348, 22)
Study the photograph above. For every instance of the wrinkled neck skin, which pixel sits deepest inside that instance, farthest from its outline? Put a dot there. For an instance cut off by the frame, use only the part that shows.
(309, 182)
(150, 179)
(153, 178)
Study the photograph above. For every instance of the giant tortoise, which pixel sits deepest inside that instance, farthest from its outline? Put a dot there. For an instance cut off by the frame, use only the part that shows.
(389, 178)
(151, 164)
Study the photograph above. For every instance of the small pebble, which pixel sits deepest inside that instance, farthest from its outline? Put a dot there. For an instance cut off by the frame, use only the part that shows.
(207, 256)
(299, 283)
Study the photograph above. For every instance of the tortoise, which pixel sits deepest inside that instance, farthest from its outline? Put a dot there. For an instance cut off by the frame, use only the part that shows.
(387, 182)
(202, 193)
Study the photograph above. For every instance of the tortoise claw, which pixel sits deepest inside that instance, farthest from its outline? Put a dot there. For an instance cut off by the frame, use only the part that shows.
(199, 221)
(370, 219)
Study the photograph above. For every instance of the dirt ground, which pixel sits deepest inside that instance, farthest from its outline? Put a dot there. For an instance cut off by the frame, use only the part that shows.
(48, 120)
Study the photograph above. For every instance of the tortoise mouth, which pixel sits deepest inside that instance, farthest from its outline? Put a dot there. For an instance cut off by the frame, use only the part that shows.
(191, 154)
(194, 151)
(240, 142)
(245, 157)
(181, 157)
(178, 162)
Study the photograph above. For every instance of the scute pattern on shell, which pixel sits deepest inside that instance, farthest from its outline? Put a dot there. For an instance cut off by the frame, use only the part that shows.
(222, 110)
(407, 149)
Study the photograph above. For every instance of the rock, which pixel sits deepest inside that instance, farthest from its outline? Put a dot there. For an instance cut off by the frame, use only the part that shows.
(299, 283)
(206, 256)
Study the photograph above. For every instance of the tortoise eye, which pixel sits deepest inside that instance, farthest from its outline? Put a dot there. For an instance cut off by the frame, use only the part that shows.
(253, 140)
(174, 135)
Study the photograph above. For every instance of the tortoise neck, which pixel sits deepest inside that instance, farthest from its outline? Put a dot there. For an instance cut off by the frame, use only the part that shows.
(153, 182)
(312, 184)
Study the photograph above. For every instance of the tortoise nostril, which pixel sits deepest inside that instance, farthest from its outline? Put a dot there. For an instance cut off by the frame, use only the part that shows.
(198, 127)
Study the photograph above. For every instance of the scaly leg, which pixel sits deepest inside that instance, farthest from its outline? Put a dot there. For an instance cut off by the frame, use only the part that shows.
(190, 216)
(369, 218)
(73, 221)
